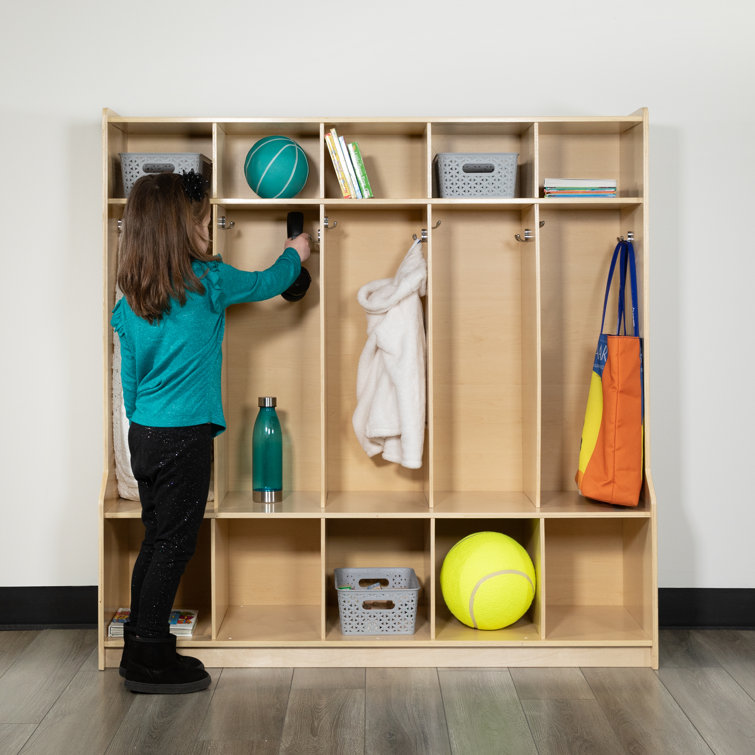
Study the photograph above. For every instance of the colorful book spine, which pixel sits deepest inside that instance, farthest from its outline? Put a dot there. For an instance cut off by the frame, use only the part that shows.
(349, 166)
(353, 184)
(337, 166)
(360, 170)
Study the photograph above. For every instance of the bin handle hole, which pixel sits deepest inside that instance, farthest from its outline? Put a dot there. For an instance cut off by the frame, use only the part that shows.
(372, 582)
(159, 168)
(379, 605)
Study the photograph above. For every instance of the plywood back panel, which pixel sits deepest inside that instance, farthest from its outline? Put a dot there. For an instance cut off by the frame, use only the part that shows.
(477, 351)
(272, 349)
(363, 247)
(273, 562)
(378, 543)
(576, 249)
(585, 562)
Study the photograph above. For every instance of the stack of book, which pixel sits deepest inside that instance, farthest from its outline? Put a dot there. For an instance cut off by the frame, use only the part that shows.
(580, 187)
(182, 622)
(349, 167)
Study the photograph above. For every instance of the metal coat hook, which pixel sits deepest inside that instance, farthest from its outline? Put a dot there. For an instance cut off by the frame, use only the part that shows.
(326, 221)
(423, 233)
(225, 224)
(528, 235)
(119, 225)
(630, 237)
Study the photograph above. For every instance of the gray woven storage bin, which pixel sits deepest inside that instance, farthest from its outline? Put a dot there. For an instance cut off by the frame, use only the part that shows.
(134, 165)
(392, 609)
(476, 174)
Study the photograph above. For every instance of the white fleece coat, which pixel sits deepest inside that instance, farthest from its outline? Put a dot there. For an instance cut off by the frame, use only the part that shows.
(390, 413)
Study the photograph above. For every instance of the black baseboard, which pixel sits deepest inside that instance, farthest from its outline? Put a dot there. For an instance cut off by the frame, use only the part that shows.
(716, 608)
(48, 607)
(77, 606)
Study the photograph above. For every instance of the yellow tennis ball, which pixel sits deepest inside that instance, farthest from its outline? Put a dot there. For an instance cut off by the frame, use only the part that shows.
(487, 580)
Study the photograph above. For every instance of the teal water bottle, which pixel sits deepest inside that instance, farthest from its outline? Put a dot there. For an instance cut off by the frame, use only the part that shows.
(267, 454)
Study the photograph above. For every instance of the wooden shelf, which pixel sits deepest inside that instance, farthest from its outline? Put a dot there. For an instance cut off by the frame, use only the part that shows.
(376, 203)
(250, 203)
(607, 203)
(296, 504)
(474, 503)
(270, 624)
(571, 504)
(510, 332)
(594, 624)
(372, 504)
(202, 634)
(123, 508)
(451, 630)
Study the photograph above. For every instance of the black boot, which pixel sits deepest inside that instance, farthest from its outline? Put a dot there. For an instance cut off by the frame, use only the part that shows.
(129, 632)
(154, 666)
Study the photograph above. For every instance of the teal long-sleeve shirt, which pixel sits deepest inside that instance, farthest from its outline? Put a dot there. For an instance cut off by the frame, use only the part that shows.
(170, 369)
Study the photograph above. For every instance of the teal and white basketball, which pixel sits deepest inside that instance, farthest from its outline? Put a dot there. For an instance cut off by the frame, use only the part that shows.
(276, 168)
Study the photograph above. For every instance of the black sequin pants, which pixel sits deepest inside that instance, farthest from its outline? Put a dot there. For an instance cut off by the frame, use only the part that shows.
(172, 466)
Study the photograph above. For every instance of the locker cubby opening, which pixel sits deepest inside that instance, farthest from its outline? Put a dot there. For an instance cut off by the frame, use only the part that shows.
(598, 580)
(267, 580)
(576, 250)
(271, 348)
(234, 140)
(365, 245)
(609, 149)
(527, 532)
(382, 543)
(484, 362)
(122, 539)
(394, 155)
(490, 137)
(167, 136)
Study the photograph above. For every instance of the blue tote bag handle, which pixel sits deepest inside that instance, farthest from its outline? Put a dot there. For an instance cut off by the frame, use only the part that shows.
(624, 255)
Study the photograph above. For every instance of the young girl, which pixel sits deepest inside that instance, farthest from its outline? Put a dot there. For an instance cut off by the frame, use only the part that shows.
(170, 323)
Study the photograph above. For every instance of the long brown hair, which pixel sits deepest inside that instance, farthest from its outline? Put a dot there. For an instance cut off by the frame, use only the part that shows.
(158, 245)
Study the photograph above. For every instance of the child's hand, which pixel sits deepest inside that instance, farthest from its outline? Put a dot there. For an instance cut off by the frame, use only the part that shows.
(301, 244)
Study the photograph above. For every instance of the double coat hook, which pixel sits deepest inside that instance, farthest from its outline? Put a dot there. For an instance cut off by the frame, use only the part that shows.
(528, 235)
(423, 233)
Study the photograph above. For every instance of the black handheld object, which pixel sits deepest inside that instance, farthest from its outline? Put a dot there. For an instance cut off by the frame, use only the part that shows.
(296, 291)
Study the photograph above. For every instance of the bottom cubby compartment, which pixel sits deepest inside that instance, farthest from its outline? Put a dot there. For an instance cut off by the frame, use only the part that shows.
(122, 541)
(599, 580)
(267, 580)
(378, 543)
(527, 532)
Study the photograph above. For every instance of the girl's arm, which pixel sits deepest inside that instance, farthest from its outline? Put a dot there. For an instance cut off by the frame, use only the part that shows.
(236, 286)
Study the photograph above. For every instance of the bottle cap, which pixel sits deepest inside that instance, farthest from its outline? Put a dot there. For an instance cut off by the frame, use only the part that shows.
(267, 401)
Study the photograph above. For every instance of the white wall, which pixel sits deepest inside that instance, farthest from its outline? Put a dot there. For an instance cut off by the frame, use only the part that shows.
(690, 62)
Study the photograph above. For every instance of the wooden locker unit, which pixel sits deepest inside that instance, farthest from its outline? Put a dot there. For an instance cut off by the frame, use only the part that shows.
(511, 332)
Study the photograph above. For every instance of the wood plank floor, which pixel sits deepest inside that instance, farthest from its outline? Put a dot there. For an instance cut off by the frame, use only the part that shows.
(53, 700)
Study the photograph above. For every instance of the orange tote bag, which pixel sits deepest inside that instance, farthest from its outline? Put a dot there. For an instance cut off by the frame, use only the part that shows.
(611, 452)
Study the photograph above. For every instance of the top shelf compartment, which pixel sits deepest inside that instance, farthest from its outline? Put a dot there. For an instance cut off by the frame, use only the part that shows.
(395, 156)
(399, 153)
(155, 135)
(593, 149)
(236, 138)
